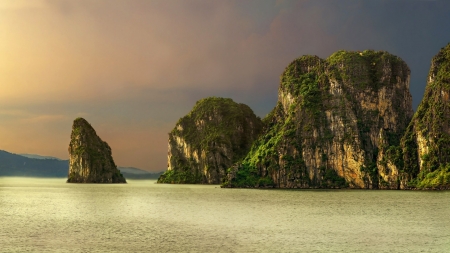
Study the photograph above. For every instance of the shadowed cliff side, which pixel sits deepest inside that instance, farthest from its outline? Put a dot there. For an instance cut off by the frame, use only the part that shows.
(90, 159)
(215, 134)
(337, 123)
(426, 144)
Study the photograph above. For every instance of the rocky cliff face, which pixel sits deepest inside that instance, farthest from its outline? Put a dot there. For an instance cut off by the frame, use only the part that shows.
(90, 159)
(338, 123)
(205, 143)
(426, 144)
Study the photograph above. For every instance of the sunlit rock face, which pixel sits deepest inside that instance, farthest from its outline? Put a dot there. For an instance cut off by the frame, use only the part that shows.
(426, 144)
(205, 143)
(338, 123)
(90, 159)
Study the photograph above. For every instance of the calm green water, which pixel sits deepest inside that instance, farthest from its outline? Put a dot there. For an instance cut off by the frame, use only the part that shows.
(48, 215)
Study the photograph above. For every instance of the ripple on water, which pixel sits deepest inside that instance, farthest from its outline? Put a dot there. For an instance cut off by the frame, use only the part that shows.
(49, 215)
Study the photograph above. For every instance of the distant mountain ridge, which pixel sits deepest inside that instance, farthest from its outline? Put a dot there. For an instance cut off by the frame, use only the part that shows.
(18, 165)
(32, 165)
(135, 173)
(34, 156)
(132, 170)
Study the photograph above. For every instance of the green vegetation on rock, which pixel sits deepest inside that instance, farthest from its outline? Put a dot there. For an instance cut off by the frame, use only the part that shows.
(215, 134)
(438, 179)
(329, 114)
(346, 121)
(426, 143)
(90, 158)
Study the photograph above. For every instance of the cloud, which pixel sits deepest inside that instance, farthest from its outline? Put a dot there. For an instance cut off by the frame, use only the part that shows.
(76, 51)
(132, 68)
(44, 118)
(12, 5)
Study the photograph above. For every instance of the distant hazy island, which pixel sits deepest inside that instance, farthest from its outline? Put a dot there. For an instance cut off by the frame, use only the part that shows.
(343, 122)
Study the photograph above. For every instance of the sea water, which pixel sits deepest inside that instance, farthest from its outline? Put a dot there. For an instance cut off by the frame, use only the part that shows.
(49, 215)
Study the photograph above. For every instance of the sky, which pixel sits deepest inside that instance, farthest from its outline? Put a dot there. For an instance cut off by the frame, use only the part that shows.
(133, 68)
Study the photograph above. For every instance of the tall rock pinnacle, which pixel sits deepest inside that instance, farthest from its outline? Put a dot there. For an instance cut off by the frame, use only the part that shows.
(338, 123)
(426, 143)
(90, 159)
(206, 142)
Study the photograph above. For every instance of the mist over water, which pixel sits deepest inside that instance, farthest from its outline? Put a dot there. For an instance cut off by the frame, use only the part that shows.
(49, 215)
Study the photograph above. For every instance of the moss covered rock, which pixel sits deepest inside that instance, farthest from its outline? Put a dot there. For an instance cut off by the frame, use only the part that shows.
(215, 134)
(90, 159)
(426, 143)
(337, 123)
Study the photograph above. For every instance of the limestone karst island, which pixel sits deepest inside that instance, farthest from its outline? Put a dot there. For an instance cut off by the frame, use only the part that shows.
(342, 122)
(90, 158)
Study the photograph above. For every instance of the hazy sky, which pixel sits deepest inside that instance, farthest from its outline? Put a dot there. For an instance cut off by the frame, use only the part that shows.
(133, 68)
